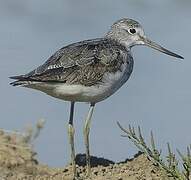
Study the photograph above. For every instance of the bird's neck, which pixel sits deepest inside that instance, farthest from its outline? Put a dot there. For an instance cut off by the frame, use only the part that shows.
(115, 38)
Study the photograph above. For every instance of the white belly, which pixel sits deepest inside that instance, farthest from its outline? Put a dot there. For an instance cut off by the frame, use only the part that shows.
(111, 82)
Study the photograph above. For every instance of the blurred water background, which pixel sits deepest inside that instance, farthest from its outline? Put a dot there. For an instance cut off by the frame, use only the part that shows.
(157, 96)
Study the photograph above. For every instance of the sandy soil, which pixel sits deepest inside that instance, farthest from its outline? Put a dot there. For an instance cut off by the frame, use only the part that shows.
(17, 162)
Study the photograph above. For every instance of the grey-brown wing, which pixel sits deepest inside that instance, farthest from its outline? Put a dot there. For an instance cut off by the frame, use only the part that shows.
(80, 63)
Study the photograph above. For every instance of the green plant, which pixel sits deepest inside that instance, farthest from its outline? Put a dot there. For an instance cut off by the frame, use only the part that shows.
(170, 164)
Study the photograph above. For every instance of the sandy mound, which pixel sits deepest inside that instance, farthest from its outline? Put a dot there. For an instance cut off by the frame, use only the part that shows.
(17, 162)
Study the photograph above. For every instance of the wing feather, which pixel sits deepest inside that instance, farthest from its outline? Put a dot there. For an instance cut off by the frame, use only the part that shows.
(84, 62)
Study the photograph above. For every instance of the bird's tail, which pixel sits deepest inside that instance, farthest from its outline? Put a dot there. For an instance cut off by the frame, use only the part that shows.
(20, 80)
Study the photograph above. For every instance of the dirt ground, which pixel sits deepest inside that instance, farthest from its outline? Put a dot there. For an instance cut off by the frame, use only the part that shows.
(18, 162)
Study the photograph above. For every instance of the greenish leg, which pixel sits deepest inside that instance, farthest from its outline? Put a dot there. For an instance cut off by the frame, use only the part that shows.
(86, 137)
(71, 132)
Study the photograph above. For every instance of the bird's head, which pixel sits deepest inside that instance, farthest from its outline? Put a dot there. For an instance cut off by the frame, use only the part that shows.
(129, 33)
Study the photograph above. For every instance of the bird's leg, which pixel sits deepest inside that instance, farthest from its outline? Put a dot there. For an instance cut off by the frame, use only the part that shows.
(71, 138)
(86, 136)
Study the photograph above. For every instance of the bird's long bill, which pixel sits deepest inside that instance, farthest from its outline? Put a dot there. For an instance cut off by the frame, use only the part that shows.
(154, 45)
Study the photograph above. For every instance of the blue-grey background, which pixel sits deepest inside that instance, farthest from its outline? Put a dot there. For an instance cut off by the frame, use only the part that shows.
(157, 96)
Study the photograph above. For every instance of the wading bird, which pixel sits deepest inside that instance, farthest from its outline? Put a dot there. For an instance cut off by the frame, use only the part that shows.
(89, 71)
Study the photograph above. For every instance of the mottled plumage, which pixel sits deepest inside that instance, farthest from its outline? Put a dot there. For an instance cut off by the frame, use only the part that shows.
(81, 63)
(85, 63)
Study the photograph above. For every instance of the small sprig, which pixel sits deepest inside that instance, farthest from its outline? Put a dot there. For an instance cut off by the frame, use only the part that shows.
(186, 162)
(32, 133)
(170, 164)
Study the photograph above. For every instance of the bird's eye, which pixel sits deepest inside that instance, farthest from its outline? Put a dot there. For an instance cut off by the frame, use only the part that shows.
(132, 30)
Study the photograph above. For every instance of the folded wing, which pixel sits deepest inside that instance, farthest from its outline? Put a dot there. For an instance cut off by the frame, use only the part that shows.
(79, 63)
